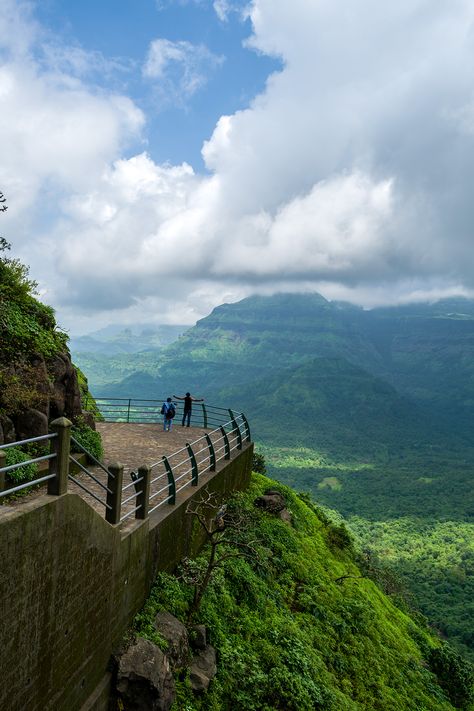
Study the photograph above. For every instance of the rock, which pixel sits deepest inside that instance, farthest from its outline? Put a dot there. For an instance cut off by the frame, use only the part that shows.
(8, 430)
(198, 637)
(144, 680)
(271, 501)
(31, 423)
(203, 669)
(88, 418)
(285, 516)
(175, 633)
(66, 396)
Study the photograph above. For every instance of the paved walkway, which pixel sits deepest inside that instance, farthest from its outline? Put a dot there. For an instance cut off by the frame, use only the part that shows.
(135, 445)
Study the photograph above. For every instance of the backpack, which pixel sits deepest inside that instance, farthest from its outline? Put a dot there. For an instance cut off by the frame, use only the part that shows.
(171, 411)
(162, 411)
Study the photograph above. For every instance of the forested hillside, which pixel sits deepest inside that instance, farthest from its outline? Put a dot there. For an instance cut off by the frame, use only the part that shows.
(368, 410)
(300, 622)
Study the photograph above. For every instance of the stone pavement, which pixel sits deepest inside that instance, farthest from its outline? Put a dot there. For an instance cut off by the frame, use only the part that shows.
(135, 445)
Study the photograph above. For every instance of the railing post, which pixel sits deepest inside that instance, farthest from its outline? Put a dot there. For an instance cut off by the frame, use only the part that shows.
(212, 454)
(128, 411)
(171, 482)
(61, 447)
(194, 468)
(204, 416)
(143, 492)
(3, 463)
(247, 428)
(226, 443)
(236, 429)
(114, 496)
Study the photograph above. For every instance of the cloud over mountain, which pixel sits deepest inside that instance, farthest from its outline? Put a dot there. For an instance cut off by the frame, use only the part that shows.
(351, 173)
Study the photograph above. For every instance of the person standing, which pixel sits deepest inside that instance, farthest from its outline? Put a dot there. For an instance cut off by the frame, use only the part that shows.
(168, 411)
(188, 407)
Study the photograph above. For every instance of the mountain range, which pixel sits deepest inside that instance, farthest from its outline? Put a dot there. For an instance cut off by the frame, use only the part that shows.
(368, 410)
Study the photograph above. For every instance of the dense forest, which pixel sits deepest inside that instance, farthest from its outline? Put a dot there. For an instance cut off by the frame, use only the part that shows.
(369, 411)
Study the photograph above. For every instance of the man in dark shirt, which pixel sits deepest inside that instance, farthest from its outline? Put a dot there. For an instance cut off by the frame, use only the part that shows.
(188, 406)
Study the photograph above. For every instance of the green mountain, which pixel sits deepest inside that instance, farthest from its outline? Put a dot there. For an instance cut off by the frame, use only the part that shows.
(300, 622)
(370, 411)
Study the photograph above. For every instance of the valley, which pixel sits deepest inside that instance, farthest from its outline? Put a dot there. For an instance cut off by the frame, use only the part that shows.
(368, 411)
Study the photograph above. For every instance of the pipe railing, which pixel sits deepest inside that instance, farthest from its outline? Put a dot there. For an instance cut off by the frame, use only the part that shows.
(151, 486)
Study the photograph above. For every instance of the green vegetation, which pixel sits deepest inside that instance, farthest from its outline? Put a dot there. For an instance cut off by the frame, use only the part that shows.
(27, 329)
(26, 325)
(371, 411)
(14, 455)
(87, 438)
(301, 626)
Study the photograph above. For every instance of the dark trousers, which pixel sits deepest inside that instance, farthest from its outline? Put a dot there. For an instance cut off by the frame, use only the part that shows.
(186, 416)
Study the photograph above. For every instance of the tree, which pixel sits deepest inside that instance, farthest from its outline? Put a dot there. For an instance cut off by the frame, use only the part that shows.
(225, 532)
(3, 200)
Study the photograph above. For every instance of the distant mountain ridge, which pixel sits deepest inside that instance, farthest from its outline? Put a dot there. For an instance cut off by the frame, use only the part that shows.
(370, 411)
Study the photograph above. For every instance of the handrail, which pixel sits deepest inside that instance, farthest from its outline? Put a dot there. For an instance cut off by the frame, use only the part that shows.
(180, 469)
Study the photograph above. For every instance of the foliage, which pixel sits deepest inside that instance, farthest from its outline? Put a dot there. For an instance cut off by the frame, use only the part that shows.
(18, 388)
(14, 455)
(87, 400)
(288, 636)
(258, 463)
(455, 675)
(26, 325)
(382, 404)
(88, 438)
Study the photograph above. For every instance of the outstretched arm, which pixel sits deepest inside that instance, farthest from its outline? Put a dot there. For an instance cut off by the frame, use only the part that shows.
(197, 399)
(178, 398)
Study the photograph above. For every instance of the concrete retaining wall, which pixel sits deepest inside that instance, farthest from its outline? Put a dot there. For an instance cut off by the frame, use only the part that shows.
(70, 585)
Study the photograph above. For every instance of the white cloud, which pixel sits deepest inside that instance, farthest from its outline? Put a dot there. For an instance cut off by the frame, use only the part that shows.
(351, 173)
(181, 68)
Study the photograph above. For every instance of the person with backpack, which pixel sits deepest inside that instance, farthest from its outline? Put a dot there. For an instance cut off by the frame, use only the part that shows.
(168, 410)
(188, 407)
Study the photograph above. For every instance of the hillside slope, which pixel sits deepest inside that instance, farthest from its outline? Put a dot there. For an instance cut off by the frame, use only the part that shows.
(299, 626)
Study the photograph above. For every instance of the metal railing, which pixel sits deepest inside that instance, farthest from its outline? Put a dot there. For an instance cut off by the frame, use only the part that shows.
(151, 486)
(142, 411)
(5, 469)
(163, 480)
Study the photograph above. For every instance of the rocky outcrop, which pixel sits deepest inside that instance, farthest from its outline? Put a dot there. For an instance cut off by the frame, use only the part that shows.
(176, 636)
(274, 502)
(144, 679)
(37, 392)
(203, 669)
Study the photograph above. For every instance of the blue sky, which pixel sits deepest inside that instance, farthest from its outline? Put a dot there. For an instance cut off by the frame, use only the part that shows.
(230, 149)
(123, 30)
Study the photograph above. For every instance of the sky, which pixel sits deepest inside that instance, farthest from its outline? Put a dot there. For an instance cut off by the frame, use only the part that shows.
(161, 157)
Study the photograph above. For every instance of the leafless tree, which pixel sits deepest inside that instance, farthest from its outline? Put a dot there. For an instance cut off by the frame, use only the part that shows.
(3, 200)
(225, 533)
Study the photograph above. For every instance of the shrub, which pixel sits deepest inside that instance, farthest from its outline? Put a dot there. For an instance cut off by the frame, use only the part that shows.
(14, 455)
(88, 438)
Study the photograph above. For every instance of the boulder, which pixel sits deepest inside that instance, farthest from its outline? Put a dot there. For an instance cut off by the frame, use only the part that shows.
(66, 396)
(203, 669)
(198, 637)
(144, 679)
(8, 430)
(285, 516)
(31, 423)
(176, 635)
(271, 501)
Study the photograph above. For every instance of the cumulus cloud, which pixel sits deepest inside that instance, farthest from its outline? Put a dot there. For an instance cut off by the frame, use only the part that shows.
(350, 173)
